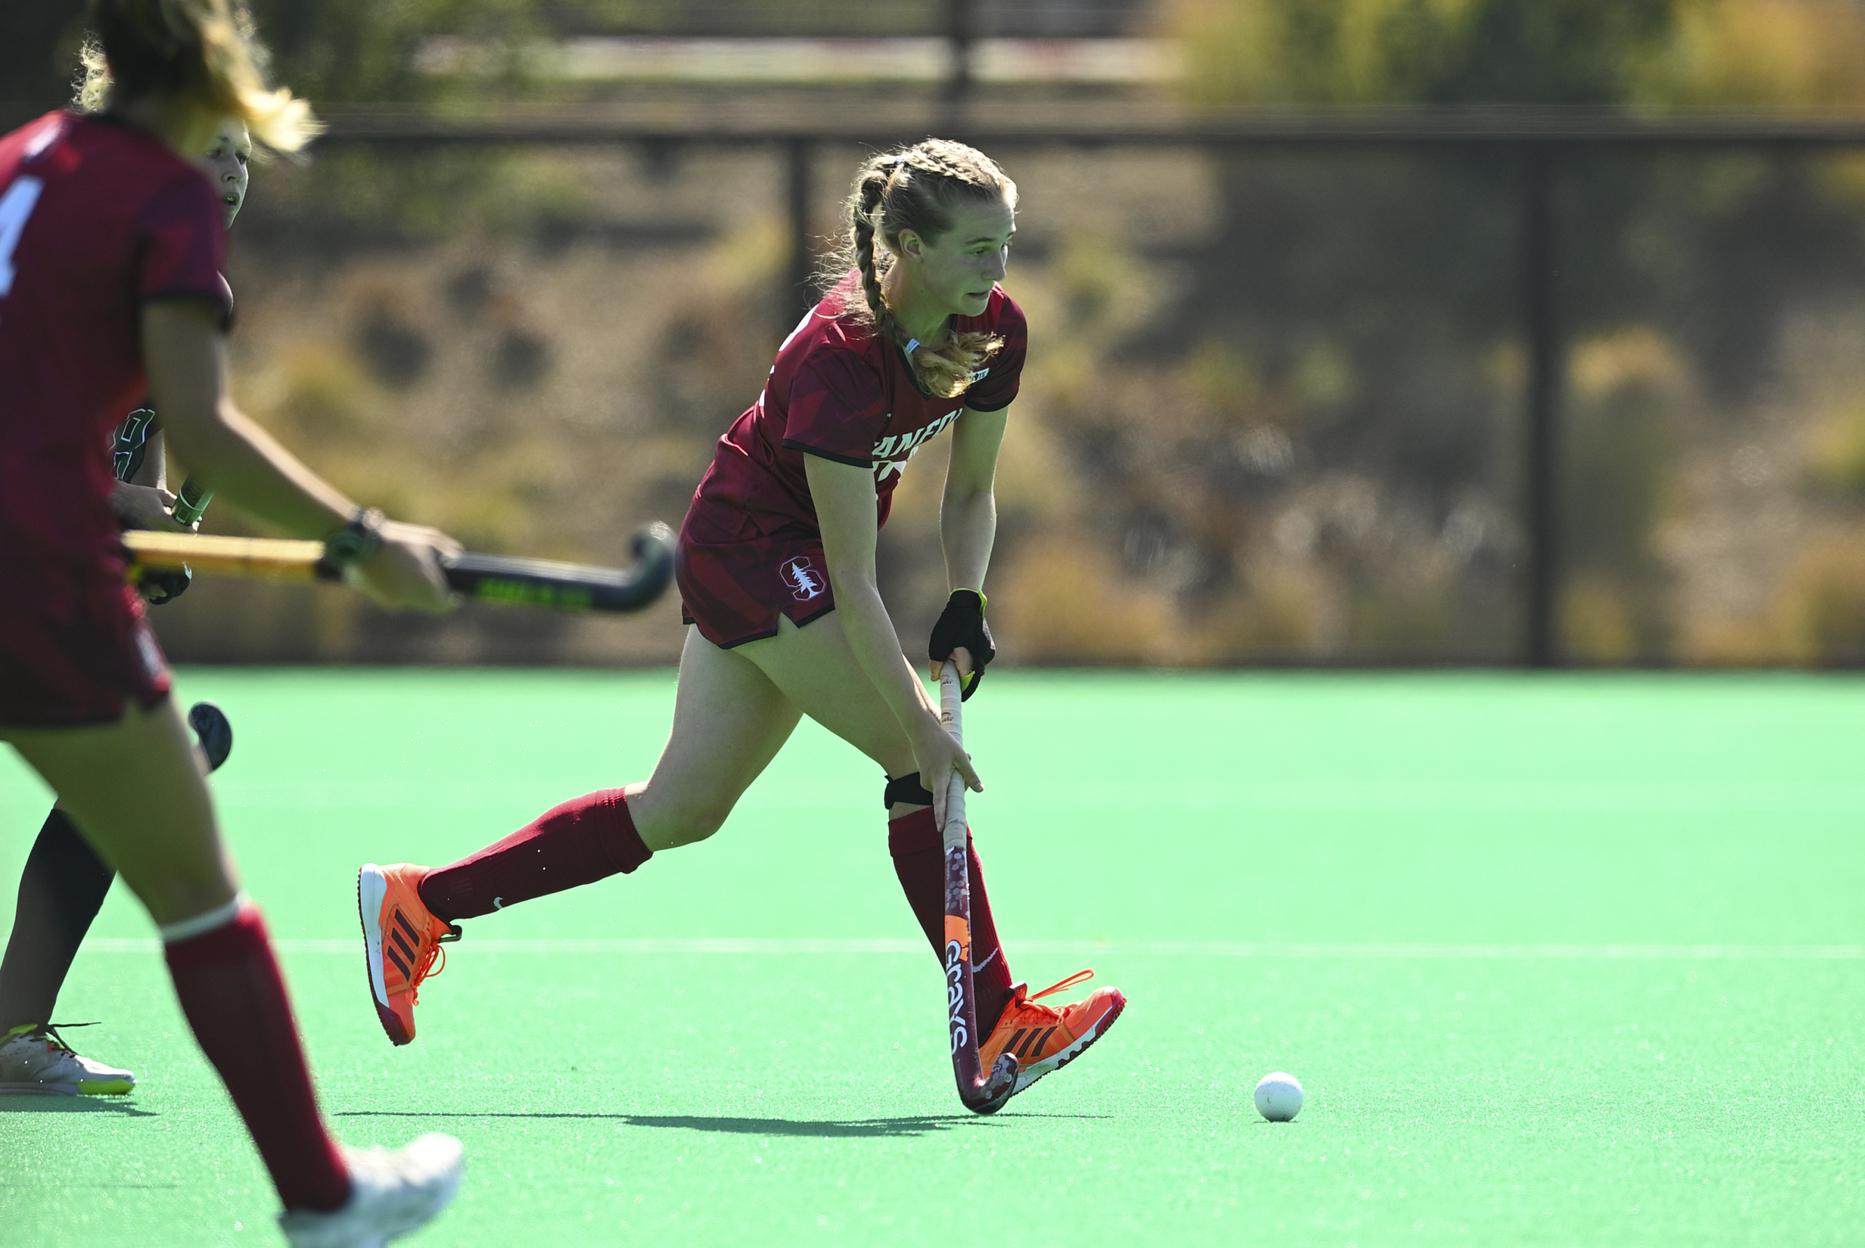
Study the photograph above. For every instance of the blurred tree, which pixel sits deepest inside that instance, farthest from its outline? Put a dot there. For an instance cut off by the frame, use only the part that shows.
(337, 50)
(1412, 276)
(1444, 52)
(1760, 54)
(1647, 54)
(363, 50)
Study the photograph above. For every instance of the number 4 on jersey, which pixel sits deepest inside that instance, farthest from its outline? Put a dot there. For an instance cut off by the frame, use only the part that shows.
(15, 206)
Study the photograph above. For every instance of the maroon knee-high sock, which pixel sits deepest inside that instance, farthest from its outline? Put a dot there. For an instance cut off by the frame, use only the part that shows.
(919, 861)
(579, 842)
(231, 991)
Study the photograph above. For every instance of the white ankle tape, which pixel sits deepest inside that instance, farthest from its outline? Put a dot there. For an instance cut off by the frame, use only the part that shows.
(201, 924)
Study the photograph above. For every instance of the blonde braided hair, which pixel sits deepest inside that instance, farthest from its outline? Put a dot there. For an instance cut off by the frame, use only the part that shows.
(915, 188)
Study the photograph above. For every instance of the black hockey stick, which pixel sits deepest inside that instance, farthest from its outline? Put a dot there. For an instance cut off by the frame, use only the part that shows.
(489, 578)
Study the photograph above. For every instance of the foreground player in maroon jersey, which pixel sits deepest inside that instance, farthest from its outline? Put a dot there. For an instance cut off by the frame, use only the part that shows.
(110, 255)
(64, 882)
(777, 577)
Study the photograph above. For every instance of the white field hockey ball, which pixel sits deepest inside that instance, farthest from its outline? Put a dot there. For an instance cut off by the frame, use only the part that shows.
(1279, 1096)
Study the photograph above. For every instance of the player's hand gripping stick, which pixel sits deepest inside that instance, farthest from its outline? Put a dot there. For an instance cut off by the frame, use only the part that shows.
(981, 1094)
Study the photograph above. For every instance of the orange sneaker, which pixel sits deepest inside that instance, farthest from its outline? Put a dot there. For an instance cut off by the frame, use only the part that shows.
(1044, 1038)
(401, 939)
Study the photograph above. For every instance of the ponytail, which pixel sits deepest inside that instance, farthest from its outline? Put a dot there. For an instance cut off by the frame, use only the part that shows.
(202, 51)
(91, 88)
(870, 190)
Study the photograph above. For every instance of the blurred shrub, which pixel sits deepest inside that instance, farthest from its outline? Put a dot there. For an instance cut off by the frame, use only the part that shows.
(1596, 622)
(422, 193)
(1323, 377)
(1723, 641)
(1036, 482)
(1734, 54)
(1064, 377)
(1281, 618)
(1220, 384)
(783, 18)
(1655, 54)
(343, 50)
(1619, 447)
(520, 359)
(1843, 178)
(318, 391)
(1064, 600)
(1837, 458)
(1415, 51)
(384, 331)
(1404, 618)
(1820, 606)
(719, 331)
(747, 261)
(1092, 283)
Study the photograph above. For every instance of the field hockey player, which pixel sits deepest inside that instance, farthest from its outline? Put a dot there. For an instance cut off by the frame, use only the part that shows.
(111, 246)
(64, 882)
(776, 571)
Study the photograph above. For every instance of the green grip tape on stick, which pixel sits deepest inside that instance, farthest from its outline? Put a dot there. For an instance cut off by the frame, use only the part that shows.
(191, 502)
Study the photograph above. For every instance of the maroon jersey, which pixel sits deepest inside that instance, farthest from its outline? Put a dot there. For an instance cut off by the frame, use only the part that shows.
(839, 391)
(96, 218)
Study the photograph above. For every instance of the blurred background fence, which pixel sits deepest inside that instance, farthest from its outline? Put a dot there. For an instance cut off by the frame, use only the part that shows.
(1439, 344)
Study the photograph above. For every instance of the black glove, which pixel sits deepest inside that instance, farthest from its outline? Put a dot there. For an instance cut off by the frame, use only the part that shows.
(962, 624)
(160, 585)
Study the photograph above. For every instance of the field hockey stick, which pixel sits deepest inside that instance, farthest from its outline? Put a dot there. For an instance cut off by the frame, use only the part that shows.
(191, 502)
(980, 1094)
(489, 578)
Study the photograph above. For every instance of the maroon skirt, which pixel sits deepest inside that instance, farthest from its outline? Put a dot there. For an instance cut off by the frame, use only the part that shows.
(74, 651)
(736, 589)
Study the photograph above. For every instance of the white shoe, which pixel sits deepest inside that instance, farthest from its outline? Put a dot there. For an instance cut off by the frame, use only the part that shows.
(396, 1190)
(34, 1058)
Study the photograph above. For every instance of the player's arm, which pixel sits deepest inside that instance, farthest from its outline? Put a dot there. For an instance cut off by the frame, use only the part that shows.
(153, 468)
(185, 355)
(187, 375)
(968, 511)
(968, 530)
(844, 499)
(142, 500)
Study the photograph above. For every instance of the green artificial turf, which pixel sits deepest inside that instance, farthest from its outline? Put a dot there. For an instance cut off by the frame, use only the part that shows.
(1559, 959)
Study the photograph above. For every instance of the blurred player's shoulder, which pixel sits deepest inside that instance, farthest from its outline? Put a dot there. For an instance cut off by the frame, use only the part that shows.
(115, 210)
(99, 170)
(91, 145)
(32, 141)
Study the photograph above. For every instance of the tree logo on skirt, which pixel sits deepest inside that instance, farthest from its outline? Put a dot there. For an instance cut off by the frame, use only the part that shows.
(804, 580)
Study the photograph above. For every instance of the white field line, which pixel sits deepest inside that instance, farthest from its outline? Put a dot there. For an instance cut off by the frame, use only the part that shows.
(1322, 950)
(1541, 796)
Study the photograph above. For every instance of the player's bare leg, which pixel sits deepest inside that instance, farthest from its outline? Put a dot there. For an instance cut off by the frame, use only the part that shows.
(816, 669)
(154, 822)
(61, 889)
(816, 672)
(729, 722)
